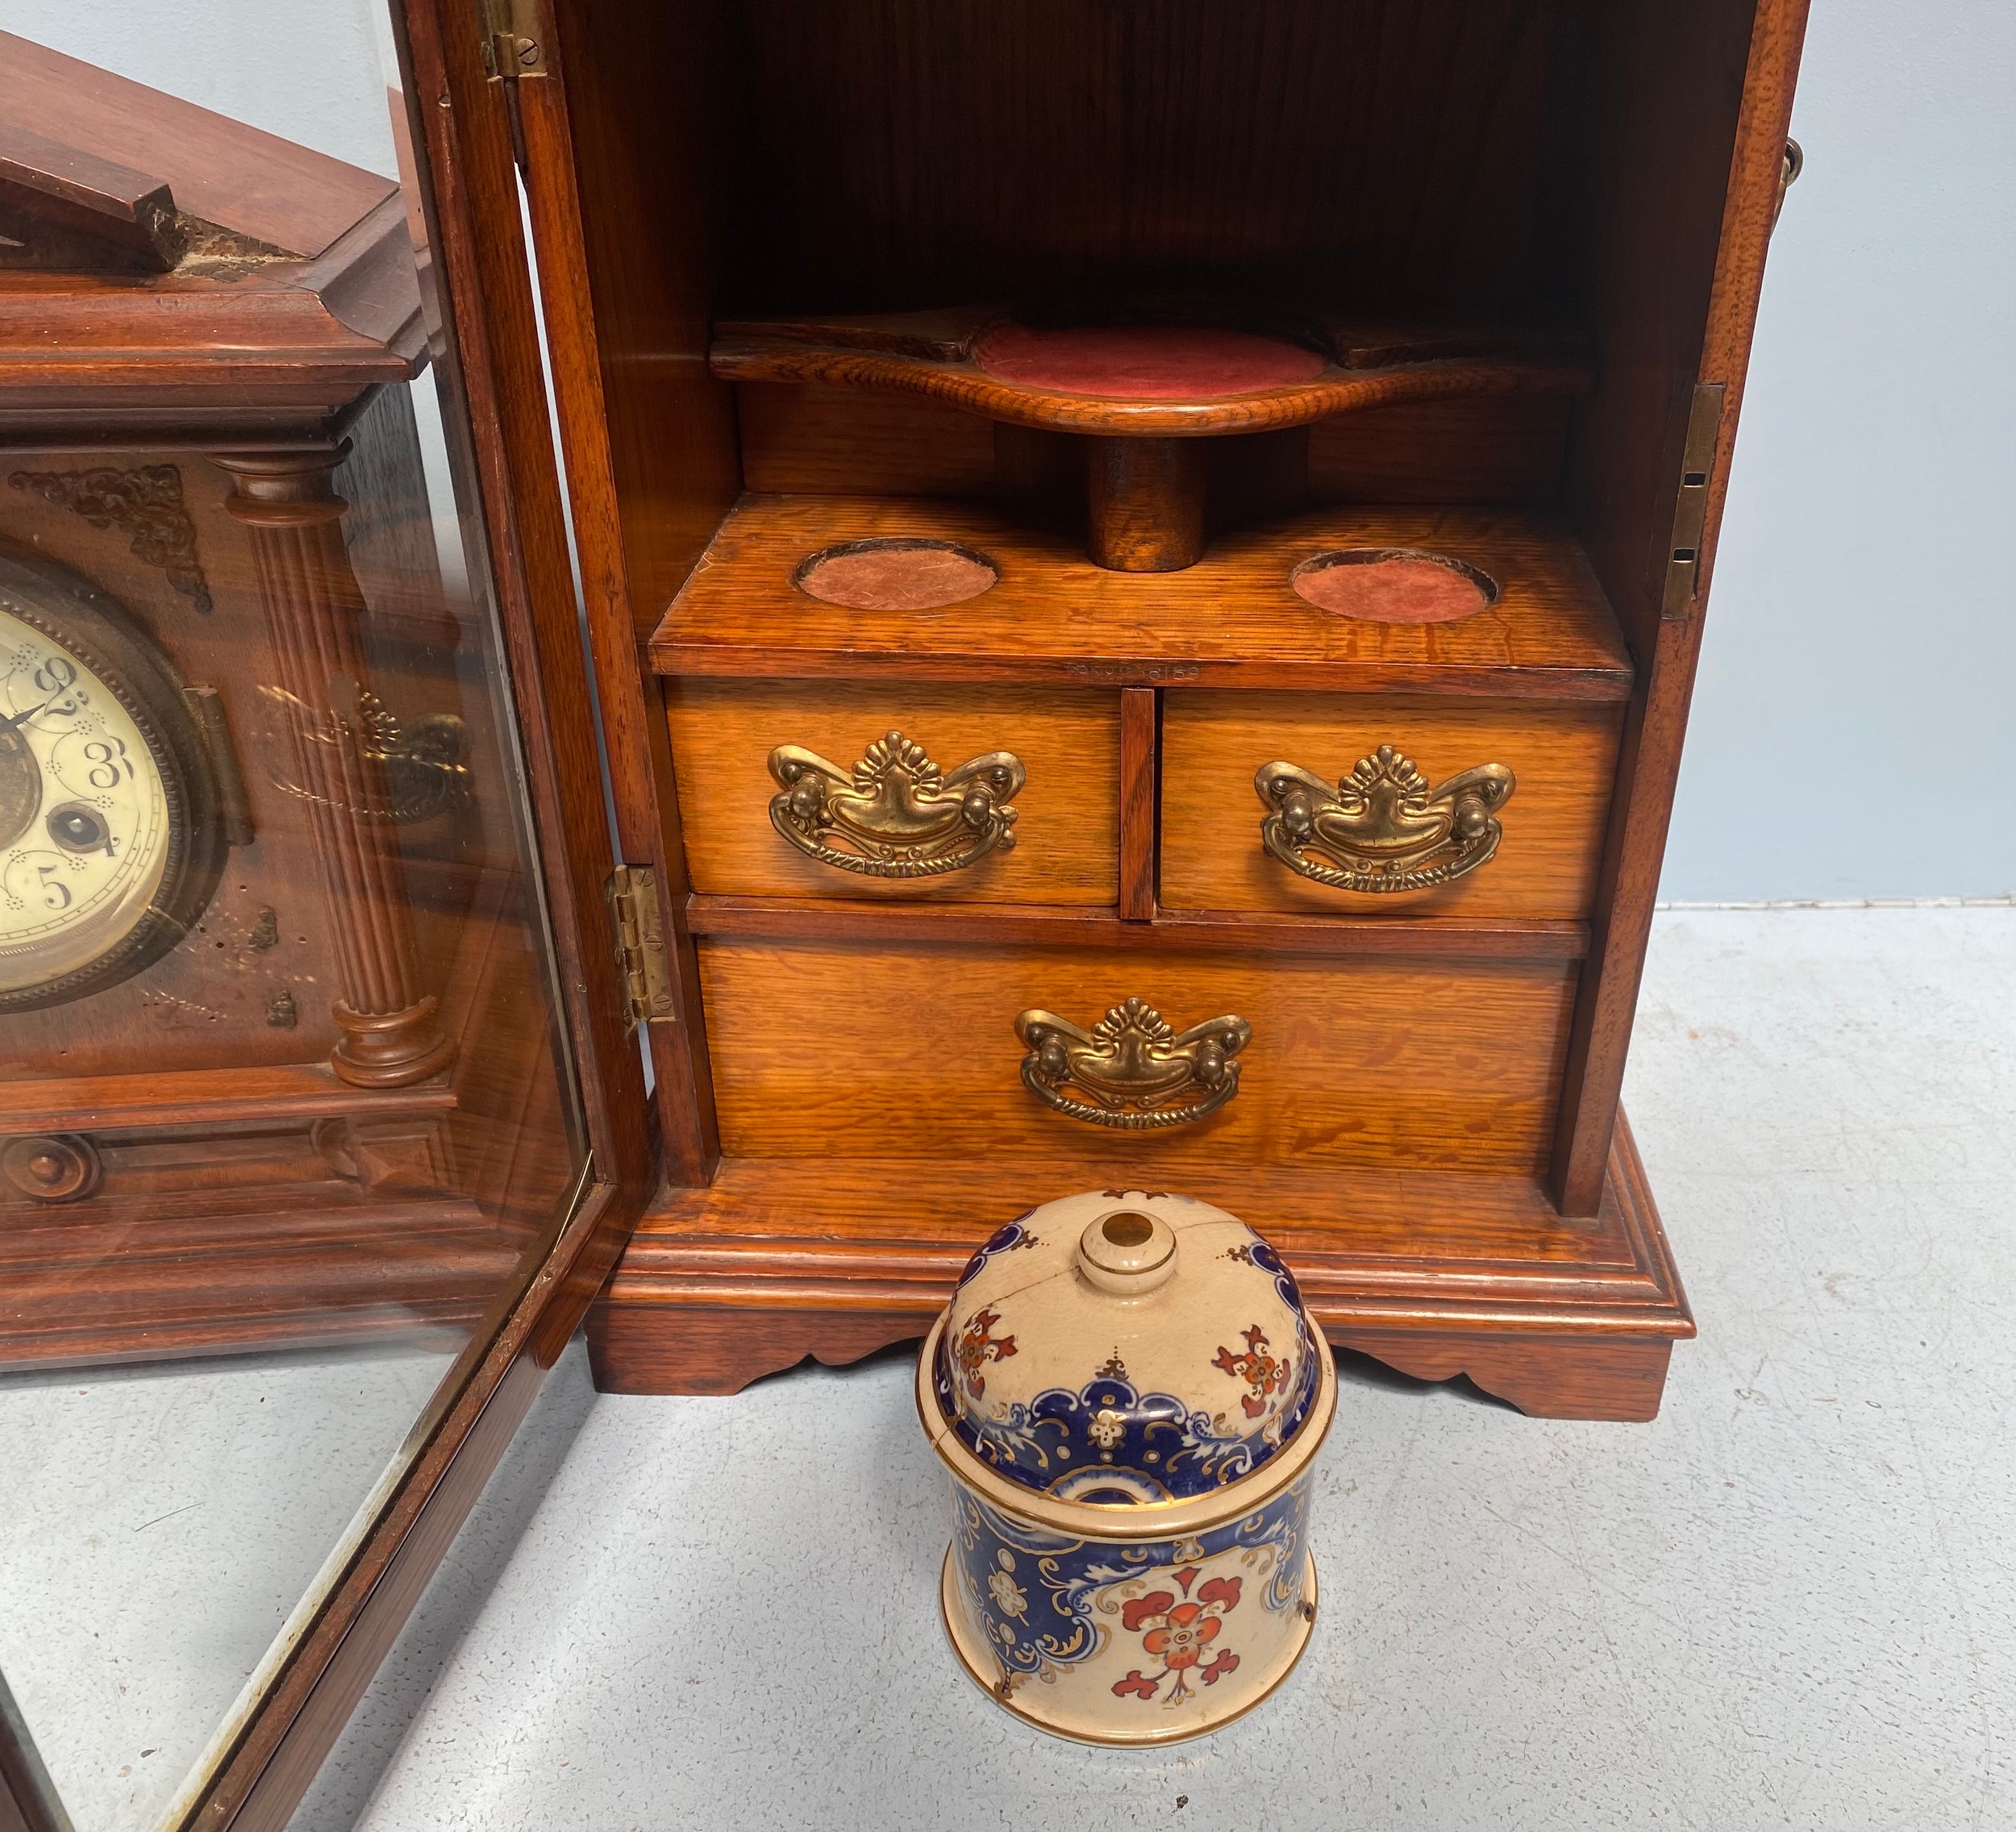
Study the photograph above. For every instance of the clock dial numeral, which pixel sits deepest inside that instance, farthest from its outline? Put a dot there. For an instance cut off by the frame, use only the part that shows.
(77, 880)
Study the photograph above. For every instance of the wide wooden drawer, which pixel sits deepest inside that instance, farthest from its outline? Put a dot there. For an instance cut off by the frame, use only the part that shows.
(884, 823)
(846, 1050)
(1371, 828)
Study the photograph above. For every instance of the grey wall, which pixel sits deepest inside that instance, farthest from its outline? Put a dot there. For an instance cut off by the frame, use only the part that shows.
(1854, 726)
(1854, 732)
(309, 70)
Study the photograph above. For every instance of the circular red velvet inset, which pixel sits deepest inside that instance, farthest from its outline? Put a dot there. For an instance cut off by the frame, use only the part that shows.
(1147, 362)
(895, 575)
(1392, 586)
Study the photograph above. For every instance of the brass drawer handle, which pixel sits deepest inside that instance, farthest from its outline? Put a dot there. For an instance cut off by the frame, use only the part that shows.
(895, 815)
(1131, 1069)
(1382, 828)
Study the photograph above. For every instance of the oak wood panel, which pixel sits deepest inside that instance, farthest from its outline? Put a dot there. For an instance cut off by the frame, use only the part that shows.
(1232, 619)
(1562, 757)
(1066, 828)
(1621, 1379)
(1692, 144)
(914, 153)
(685, 471)
(862, 1051)
(1439, 1274)
(1507, 448)
(489, 377)
(719, 1350)
(649, 90)
(1470, 937)
(847, 442)
(1140, 748)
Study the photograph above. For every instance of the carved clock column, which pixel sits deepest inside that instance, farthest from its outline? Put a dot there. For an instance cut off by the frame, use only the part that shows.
(391, 1030)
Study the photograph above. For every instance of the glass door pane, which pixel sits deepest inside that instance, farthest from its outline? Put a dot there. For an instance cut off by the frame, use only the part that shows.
(286, 1110)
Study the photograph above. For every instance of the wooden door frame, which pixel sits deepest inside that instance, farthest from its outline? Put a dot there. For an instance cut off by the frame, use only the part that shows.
(463, 144)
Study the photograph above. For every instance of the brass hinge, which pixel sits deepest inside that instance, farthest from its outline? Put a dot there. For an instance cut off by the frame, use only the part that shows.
(513, 47)
(632, 891)
(513, 42)
(1690, 510)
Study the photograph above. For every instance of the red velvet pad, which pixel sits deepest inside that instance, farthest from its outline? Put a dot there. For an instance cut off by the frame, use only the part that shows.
(1152, 362)
(1401, 589)
(897, 576)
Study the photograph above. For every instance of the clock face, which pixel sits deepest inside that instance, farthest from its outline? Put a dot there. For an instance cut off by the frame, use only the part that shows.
(103, 793)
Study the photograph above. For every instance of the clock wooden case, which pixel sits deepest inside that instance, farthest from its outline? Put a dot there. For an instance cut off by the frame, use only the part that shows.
(279, 1064)
(1146, 564)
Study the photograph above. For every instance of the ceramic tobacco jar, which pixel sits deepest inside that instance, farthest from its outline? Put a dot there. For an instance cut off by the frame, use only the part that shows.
(1130, 1397)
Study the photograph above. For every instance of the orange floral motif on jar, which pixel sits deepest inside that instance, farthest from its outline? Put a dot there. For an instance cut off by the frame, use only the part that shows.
(1180, 1635)
(1262, 1374)
(977, 1347)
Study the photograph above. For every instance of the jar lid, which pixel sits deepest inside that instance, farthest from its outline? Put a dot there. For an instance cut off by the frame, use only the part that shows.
(1123, 1349)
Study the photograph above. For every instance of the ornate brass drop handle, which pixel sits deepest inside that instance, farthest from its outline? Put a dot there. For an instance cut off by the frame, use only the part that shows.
(1132, 1069)
(895, 814)
(1382, 828)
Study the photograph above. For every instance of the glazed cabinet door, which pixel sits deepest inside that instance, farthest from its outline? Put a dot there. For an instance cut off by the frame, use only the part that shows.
(322, 1111)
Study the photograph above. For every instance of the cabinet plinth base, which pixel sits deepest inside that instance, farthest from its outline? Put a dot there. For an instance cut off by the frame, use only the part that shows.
(1437, 1274)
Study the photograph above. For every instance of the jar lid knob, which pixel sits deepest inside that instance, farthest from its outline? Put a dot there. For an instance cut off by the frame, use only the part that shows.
(1127, 1251)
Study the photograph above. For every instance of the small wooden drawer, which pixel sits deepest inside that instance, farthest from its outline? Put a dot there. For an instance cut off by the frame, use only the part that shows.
(846, 1050)
(1405, 803)
(1041, 827)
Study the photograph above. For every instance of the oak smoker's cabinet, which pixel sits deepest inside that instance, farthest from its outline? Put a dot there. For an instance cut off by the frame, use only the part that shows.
(1145, 563)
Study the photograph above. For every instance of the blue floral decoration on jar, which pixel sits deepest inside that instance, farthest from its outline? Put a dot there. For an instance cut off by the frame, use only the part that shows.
(1033, 1592)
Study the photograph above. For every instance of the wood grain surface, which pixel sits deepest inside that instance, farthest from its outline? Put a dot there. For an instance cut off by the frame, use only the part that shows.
(1066, 828)
(842, 442)
(899, 154)
(862, 1051)
(1507, 448)
(1494, 448)
(219, 169)
(1140, 813)
(743, 355)
(1562, 757)
(1439, 1274)
(648, 445)
(1691, 141)
(1230, 620)
(1469, 937)
(1619, 1379)
(211, 1268)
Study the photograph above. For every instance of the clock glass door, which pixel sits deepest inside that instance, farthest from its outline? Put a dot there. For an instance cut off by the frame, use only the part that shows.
(290, 1116)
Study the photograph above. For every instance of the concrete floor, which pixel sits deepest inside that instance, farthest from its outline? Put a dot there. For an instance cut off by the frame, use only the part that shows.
(1789, 1602)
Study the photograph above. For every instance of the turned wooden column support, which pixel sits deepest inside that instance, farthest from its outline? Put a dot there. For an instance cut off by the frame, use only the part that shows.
(1146, 503)
(391, 1030)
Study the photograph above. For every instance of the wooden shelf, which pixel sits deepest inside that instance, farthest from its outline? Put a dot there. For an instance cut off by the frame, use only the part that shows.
(1231, 620)
(956, 356)
(1436, 1273)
